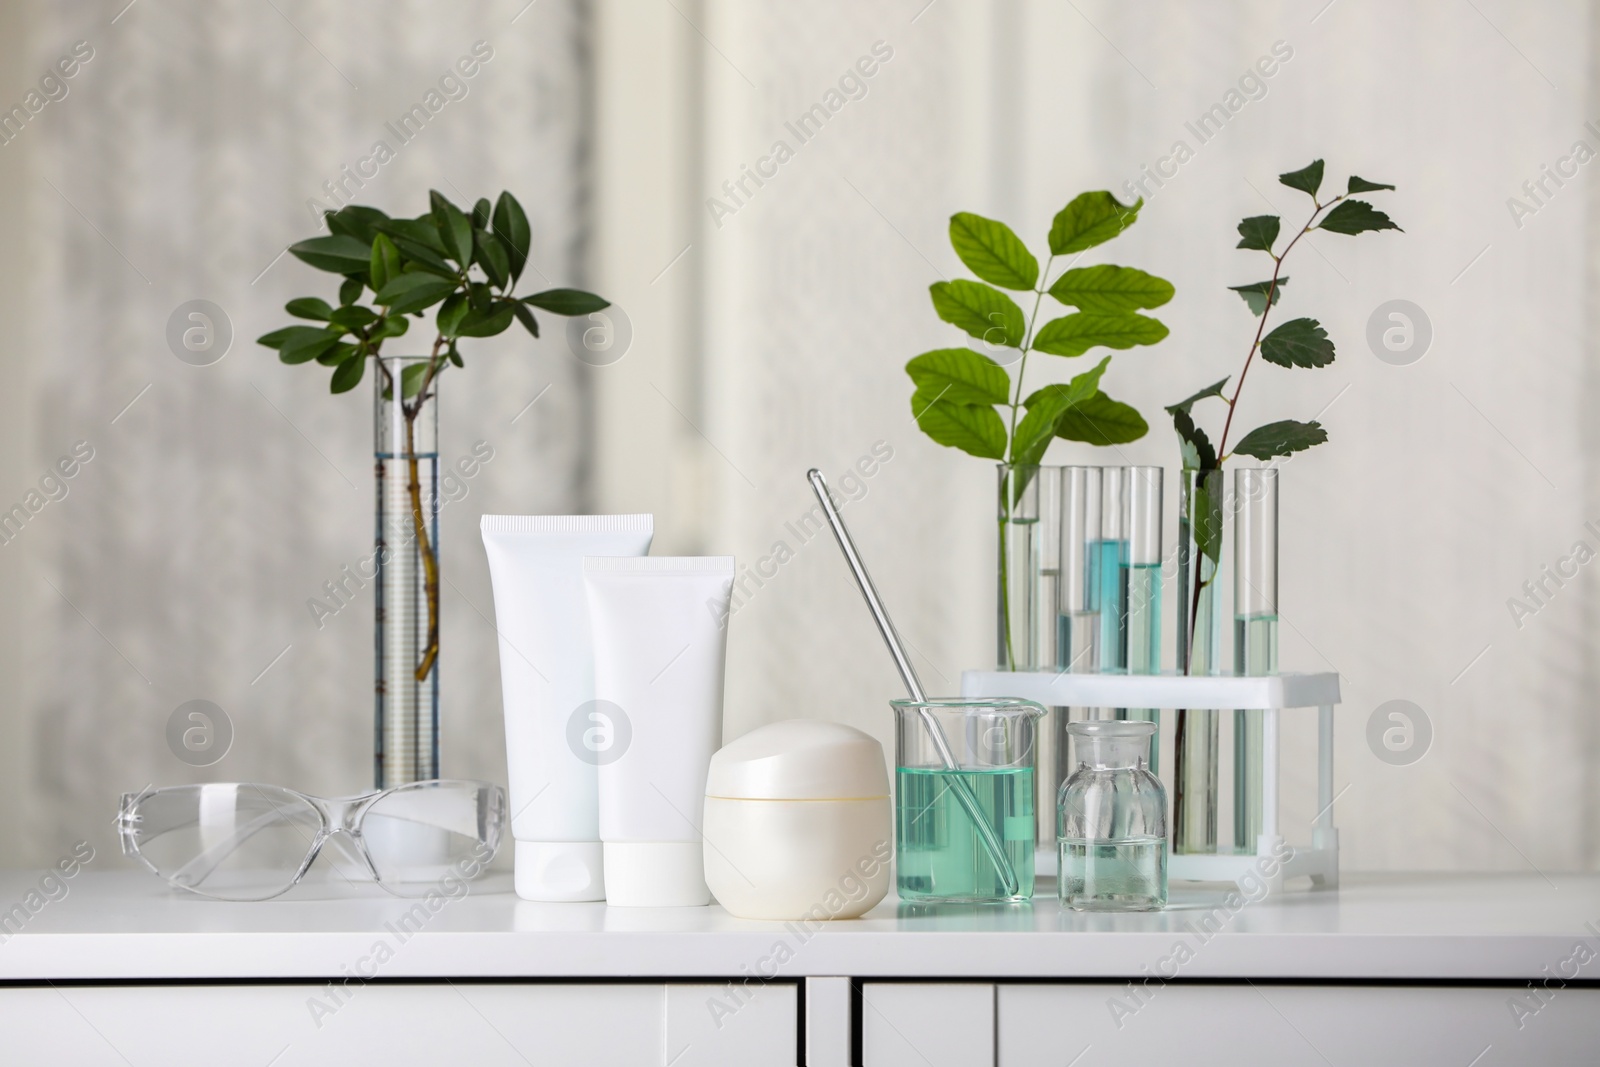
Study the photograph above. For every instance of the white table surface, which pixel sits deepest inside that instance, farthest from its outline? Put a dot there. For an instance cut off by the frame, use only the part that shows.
(128, 925)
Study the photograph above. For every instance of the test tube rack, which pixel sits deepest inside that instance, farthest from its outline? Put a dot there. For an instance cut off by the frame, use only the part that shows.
(1270, 693)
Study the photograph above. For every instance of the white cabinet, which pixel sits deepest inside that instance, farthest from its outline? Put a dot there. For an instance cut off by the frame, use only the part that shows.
(398, 1025)
(927, 1024)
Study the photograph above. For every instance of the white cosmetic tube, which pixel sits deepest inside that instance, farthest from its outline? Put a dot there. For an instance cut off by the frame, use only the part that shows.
(660, 643)
(547, 688)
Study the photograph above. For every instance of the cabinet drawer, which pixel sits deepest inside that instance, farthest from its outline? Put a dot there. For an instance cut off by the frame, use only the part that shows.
(1093, 1024)
(400, 1025)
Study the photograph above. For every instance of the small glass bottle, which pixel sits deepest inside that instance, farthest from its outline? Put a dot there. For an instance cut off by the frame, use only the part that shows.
(1112, 828)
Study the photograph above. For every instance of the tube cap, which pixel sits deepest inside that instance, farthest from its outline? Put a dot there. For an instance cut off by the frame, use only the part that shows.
(558, 871)
(655, 874)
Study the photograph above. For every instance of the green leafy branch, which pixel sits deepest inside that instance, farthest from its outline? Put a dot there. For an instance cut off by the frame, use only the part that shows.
(1298, 342)
(465, 264)
(964, 399)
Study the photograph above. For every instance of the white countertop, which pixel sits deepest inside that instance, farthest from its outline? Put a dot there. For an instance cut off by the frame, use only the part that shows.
(128, 925)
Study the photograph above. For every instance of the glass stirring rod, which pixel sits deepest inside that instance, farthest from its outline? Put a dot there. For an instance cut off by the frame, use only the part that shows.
(908, 674)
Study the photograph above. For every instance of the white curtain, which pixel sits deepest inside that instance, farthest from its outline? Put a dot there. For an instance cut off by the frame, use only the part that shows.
(180, 563)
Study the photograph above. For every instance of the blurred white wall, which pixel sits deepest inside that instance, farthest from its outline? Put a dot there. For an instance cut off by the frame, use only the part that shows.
(772, 338)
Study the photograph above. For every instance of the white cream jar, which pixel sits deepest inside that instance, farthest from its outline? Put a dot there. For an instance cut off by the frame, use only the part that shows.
(797, 822)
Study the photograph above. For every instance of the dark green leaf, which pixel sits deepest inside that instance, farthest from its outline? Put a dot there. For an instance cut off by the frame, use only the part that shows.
(1198, 452)
(1255, 294)
(455, 357)
(455, 229)
(975, 429)
(338, 354)
(392, 326)
(1204, 517)
(1091, 219)
(525, 317)
(421, 257)
(411, 379)
(338, 253)
(511, 226)
(1258, 231)
(961, 376)
(1298, 343)
(486, 323)
(567, 302)
(1280, 439)
(1110, 289)
(350, 290)
(451, 312)
(1308, 179)
(1073, 335)
(291, 335)
(309, 307)
(992, 252)
(347, 375)
(1356, 216)
(307, 347)
(1045, 408)
(1185, 406)
(423, 231)
(1361, 185)
(413, 292)
(1100, 420)
(491, 256)
(353, 317)
(982, 311)
(480, 214)
(385, 261)
(358, 221)
(480, 296)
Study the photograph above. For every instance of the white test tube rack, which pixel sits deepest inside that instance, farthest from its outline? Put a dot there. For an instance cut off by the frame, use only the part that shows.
(1269, 693)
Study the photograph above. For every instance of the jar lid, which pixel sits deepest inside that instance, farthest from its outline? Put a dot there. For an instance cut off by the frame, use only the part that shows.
(799, 759)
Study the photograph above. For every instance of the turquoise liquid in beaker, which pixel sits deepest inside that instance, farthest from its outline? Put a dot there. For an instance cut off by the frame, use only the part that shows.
(1128, 874)
(1108, 596)
(938, 855)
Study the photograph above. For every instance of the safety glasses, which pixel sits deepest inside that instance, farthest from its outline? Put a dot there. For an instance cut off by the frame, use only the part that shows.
(253, 842)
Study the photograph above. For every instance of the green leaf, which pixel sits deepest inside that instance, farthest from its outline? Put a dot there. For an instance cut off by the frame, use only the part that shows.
(413, 292)
(451, 312)
(385, 262)
(454, 228)
(411, 378)
(392, 326)
(338, 253)
(358, 221)
(1308, 179)
(1361, 185)
(455, 357)
(1258, 231)
(992, 252)
(347, 375)
(1100, 420)
(525, 317)
(1280, 439)
(353, 317)
(1214, 389)
(1073, 335)
(309, 307)
(350, 290)
(291, 335)
(1198, 452)
(1107, 288)
(982, 311)
(420, 257)
(1205, 516)
(1356, 216)
(1255, 294)
(1298, 343)
(975, 429)
(422, 231)
(961, 376)
(486, 323)
(1045, 408)
(480, 214)
(511, 226)
(491, 256)
(338, 354)
(567, 302)
(308, 347)
(1091, 219)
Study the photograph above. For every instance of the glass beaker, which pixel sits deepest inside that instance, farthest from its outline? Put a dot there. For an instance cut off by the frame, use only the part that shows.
(941, 851)
(1112, 821)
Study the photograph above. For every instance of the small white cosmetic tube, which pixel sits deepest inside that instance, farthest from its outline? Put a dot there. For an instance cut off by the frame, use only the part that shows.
(547, 688)
(660, 642)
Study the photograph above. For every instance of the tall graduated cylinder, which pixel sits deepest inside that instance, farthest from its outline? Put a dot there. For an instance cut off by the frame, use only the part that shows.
(406, 646)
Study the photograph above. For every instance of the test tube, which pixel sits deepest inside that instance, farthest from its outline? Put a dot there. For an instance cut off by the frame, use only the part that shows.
(1141, 583)
(1255, 634)
(1078, 614)
(1108, 553)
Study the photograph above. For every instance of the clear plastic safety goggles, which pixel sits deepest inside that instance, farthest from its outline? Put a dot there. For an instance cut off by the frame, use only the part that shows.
(236, 841)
